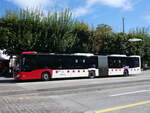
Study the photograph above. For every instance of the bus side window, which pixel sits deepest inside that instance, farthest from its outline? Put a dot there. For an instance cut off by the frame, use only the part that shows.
(77, 65)
(76, 61)
(119, 63)
(83, 60)
(79, 62)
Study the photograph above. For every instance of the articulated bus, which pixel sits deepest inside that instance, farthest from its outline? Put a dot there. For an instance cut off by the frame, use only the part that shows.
(33, 65)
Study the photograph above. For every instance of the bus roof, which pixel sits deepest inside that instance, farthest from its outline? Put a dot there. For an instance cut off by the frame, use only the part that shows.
(75, 54)
(134, 56)
(117, 55)
(84, 54)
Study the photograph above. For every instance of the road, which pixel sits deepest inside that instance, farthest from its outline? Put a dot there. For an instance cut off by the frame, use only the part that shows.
(99, 95)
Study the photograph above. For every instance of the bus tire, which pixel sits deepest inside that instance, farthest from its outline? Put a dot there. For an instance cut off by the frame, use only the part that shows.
(91, 74)
(45, 76)
(126, 73)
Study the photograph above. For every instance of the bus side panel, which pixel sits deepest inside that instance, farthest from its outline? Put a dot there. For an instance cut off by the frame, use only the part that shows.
(134, 64)
(116, 71)
(68, 73)
(136, 70)
(97, 72)
(103, 65)
(35, 74)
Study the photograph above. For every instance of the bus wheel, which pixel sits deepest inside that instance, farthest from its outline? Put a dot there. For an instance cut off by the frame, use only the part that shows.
(45, 76)
(126, 73)
(91, 74)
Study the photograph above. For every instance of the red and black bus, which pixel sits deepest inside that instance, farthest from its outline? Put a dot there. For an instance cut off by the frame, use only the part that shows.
(33, 65)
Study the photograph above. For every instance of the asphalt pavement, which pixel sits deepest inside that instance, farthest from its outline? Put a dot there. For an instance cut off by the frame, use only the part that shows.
(99, 95)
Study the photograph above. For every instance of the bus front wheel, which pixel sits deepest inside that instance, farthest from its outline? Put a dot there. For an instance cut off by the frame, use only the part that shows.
(45, 76)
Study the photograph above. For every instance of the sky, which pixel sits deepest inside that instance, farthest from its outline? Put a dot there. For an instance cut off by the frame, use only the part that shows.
(93, 12)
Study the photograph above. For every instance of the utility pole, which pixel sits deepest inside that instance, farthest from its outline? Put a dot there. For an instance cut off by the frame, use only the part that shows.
(123, 25)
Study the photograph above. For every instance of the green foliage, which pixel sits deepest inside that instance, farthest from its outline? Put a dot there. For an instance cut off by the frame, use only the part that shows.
(28, 30)
(82, 32)
(104, 28)
(57, 33)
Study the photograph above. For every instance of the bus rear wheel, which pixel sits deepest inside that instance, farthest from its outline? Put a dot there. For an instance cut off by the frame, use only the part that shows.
(126, 73)
(45, 76)
(91, 74)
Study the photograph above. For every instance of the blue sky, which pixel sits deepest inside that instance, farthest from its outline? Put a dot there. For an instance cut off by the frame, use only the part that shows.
(93, 12)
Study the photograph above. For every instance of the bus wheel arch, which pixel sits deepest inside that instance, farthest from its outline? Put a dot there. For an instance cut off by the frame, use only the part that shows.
(126, 73)
(46, 76)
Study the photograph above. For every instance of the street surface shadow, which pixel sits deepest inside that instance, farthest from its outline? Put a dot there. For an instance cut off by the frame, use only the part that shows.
(6, 76)
(66, 79)
(11, 80)
(7, 81)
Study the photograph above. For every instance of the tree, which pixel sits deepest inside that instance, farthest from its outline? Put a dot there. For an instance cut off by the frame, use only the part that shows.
(99, 38)
(141, 48)
(82, 37)
(30, 30)
(95, 41)
(104, 28)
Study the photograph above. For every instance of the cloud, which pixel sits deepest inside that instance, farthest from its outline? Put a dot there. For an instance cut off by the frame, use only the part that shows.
(43, 4)
(80, 11)
(147, 18)
(123, 4)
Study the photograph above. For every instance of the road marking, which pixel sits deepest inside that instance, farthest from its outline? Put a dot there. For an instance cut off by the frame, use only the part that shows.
(127, 93)
(122, 107)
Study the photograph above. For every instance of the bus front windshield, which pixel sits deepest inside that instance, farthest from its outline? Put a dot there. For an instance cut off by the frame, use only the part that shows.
(28, 63)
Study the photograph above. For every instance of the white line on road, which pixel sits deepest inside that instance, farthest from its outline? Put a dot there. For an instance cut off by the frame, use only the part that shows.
(128, 93)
